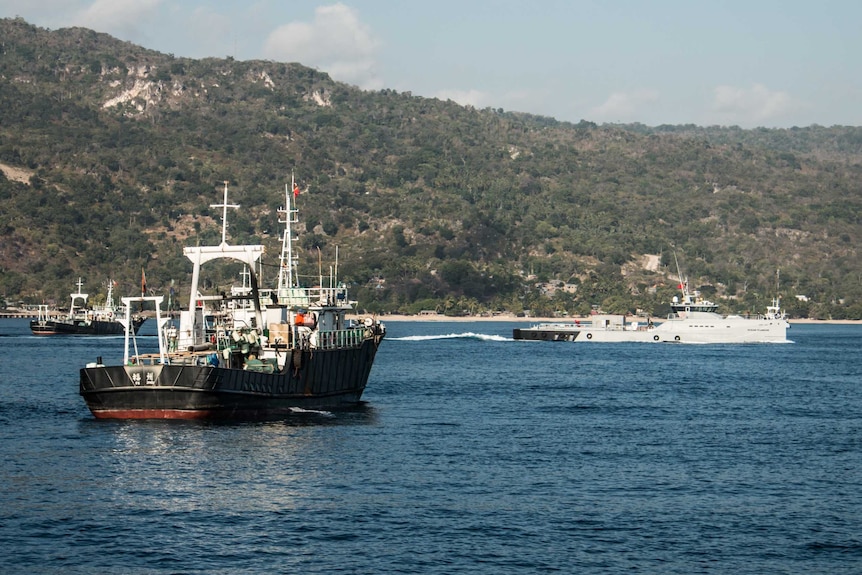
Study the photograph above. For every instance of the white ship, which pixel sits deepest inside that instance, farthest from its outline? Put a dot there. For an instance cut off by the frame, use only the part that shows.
(692, 320)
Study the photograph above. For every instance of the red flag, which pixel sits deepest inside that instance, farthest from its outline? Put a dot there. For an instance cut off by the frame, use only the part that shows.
(679, 286)
(295, 191)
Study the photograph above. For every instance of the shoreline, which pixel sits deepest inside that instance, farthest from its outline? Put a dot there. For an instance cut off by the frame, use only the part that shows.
(514, 318)
(509, 318)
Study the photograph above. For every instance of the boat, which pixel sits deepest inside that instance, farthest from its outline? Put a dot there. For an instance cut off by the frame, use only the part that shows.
(246, 354)
(84, 320)
(692, 320)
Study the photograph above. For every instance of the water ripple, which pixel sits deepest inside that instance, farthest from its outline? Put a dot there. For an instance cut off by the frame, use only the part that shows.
(472, 454)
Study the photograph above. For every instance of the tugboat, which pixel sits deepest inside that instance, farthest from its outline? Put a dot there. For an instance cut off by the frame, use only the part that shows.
(81, 320)
(250, 354)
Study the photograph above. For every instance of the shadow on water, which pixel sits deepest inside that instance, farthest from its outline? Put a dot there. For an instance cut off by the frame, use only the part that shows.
(359, 415)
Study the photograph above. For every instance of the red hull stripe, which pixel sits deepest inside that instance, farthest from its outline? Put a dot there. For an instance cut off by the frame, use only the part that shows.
(154, 414)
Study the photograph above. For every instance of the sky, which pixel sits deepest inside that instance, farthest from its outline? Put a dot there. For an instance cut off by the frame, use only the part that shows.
(754, 63)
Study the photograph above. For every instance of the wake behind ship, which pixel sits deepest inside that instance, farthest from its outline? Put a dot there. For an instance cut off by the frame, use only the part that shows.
(234, 357)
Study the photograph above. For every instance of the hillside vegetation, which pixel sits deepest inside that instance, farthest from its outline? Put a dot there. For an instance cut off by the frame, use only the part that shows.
(112, 155)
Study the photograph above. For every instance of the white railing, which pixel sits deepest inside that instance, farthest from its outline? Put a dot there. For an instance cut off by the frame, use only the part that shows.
(343, 338)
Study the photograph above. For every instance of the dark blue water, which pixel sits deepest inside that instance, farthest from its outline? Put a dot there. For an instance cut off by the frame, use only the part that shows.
(474, 454)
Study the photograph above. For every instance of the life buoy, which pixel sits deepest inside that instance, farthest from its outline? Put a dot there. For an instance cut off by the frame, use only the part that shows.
(676, 338)
(655, 338)
(589, 336)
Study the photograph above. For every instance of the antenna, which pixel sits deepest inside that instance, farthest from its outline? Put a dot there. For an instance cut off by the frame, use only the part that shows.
(319, 267)
(678, 272)
(683, 283)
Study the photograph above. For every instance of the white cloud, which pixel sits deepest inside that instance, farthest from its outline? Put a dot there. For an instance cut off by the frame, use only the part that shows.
(212, 33)
(336, 42)
(747, 106)
(120, 18)
(625, 106)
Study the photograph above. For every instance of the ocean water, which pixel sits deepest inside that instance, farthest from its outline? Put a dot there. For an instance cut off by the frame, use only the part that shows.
(472, 453)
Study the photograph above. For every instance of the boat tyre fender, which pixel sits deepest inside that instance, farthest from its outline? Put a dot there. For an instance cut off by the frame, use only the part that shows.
(655, 338)
(676, 338)
(589, 336)
(296, 360)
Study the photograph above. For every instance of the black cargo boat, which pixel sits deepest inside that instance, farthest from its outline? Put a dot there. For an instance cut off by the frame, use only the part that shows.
(251, 354)
(83, 320)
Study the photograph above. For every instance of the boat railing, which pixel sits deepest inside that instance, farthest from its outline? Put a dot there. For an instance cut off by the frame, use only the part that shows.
(604, 325)
(558, 325)
(342, 338)
(173, 358)
(633, 326)
(327, 295)
(145, 359)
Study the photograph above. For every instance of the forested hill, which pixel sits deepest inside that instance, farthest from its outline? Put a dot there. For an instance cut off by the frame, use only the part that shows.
(112, 154)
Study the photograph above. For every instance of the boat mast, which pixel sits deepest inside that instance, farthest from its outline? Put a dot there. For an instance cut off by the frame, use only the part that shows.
(287, 271)
(224, 205)
(776, 301)
(79, 295)
(683, 283)
(109, 299)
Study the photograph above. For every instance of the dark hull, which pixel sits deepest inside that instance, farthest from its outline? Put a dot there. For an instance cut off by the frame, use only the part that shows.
(311, 380)
(81, 327)
(549, 334)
